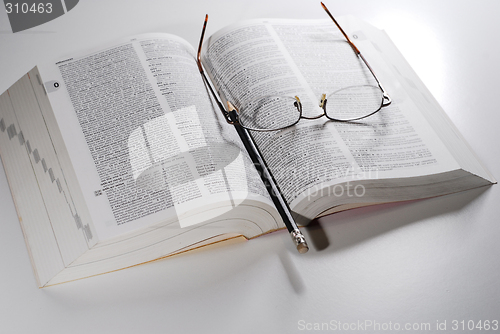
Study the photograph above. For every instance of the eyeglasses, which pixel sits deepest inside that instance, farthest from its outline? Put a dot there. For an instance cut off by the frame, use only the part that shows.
(275, 112)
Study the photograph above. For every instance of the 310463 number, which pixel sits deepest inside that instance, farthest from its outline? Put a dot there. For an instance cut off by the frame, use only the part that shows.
(24, 8)
(475, 326)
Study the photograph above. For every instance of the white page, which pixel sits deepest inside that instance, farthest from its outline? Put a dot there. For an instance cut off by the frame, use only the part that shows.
(145, 160)
(308, 58)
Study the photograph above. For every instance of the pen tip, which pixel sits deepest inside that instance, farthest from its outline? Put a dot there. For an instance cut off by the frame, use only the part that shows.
(302, 248)
(300, 241)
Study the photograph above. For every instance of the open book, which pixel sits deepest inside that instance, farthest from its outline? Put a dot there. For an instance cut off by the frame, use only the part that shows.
(120, 156)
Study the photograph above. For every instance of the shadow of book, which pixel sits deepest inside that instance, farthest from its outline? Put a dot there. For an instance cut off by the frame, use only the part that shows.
(348, 228)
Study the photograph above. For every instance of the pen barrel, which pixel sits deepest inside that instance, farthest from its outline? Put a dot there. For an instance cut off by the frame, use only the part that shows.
(265, 174)
(267, 178)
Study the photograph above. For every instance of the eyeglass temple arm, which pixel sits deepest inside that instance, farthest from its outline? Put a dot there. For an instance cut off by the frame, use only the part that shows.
(198, 58)
(226, 114)
(341, 30)
(387, 99)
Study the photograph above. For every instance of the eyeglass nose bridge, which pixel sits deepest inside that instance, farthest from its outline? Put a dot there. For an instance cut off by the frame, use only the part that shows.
(313, 117)
(322, 105)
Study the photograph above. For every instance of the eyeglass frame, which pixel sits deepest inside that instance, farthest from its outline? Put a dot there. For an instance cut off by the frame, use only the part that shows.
(231, 116)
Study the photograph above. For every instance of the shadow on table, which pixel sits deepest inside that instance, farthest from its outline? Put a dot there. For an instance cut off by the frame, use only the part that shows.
(345, 229)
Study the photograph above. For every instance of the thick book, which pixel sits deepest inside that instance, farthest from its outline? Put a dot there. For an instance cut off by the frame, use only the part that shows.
(120, 156)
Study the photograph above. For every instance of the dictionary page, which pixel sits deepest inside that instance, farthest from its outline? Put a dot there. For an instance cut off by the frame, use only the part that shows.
(307, 59)
(146, 142)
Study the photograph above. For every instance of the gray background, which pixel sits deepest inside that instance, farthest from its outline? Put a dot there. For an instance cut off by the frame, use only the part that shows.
(419, 262)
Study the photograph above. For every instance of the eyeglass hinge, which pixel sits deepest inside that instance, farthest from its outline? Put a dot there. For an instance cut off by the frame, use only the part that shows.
(387, 100)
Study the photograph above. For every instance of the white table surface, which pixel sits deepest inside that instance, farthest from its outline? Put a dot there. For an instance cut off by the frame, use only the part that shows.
(414, 263)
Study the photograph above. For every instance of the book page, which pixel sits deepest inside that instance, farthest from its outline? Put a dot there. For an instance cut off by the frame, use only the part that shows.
(146, 142)
(308, 59)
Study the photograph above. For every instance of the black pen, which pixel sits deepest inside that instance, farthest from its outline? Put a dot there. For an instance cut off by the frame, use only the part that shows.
(259, 163)
(268, 179)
